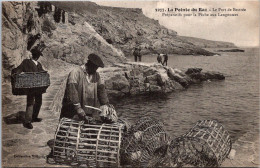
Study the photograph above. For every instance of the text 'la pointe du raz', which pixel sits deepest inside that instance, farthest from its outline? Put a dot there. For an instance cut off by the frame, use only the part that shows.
(199, 9)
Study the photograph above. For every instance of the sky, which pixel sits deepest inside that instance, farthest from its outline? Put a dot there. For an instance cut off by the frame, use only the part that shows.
(242, 30)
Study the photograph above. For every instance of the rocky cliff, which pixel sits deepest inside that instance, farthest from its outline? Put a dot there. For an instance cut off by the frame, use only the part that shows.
(126, 28)
(71, 30)
(39, 24)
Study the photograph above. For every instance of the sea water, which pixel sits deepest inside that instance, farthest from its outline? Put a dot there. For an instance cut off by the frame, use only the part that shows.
(234, 102)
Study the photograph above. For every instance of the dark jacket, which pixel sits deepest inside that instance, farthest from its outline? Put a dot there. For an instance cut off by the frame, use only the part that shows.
(28, 66)
(165, 57)
(137, 53)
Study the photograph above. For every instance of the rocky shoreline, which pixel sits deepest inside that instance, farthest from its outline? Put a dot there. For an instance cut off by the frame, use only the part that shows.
(133, 78)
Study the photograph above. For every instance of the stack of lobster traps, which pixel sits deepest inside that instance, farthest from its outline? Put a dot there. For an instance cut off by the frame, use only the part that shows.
(144, 144)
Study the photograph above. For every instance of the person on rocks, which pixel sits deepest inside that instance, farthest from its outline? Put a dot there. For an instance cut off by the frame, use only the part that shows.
(85, 89)
(140, 55)
(159, 58)
(165, 59)
(34, 95)
(137, 54)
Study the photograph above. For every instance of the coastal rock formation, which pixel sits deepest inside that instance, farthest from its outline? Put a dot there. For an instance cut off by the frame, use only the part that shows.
(74, 43)
(17, 19)
(39, 24)
(197, 76)
(207, 43)
(132, 78)
(126, 28)
(71, 30)
(231, 50)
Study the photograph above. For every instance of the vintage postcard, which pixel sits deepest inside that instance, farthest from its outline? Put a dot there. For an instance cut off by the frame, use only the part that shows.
(130, 83)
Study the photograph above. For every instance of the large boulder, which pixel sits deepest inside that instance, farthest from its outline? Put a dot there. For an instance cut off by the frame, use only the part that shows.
(149, 71)
(179, 77)
(118, 83)
(197, 75)
(214, 75)
(152, 79)
(193, 70)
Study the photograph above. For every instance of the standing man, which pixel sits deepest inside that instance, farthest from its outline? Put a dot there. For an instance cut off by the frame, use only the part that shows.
(137, 53)
(165, 60)
(84, 88)
(159, 58)
(140, 55)
(34, 95)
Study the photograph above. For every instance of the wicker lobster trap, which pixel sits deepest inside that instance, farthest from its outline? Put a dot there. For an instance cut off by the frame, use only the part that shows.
(206, 144)
(92, 145)
(26, 82)
(141, 141)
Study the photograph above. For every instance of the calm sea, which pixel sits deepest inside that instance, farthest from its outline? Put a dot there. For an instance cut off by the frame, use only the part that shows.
(234, 101)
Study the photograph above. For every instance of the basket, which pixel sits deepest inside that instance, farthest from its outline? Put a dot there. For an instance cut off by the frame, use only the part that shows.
(25, 83)
(92, 145)
(141, 142)
(206, 144)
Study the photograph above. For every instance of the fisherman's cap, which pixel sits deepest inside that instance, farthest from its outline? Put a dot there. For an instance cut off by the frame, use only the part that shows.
(95, 59)
(35, 51)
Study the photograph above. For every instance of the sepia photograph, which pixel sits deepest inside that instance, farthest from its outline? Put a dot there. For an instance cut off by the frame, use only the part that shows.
(130, 83)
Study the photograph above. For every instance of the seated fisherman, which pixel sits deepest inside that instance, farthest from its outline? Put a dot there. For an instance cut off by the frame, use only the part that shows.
(85, 88)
